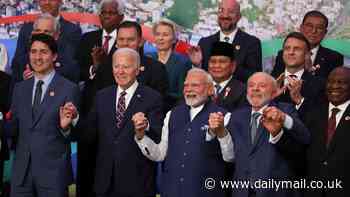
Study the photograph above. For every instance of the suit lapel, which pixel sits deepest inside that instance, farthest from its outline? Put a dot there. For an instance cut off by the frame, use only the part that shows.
(48, 98)
(28, 92)
(319, 59)
(343, 126)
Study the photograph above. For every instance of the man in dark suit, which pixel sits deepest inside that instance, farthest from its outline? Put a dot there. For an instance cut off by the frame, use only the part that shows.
(247, 48)
(322, 60)
(121, 169)
(298, 86)
(65, 64)
(328, 156)
(259, 132)
(43, 113)
(69, 34)
(94, 55)
(229, 92)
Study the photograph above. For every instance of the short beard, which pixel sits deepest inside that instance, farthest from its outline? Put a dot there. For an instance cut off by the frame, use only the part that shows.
(197, 101)
(265, 100)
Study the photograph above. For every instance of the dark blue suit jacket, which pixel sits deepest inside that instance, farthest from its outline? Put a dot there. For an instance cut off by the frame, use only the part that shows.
(264, 160)
(67, 43)
(120, 165)
(247, 50)
(40, 142)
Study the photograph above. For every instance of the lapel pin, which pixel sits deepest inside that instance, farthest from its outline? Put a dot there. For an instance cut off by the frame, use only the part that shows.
(227, 91)
(52, 93)
(138, 96)
(347, 117)
(57, 64)
(142, 68)
(238, 47)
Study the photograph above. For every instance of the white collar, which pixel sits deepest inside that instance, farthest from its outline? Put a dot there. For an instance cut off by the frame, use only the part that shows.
(223, 84)
(261, 110)
(298, 73)
(195, 110)
(130, 90)
(113, 34)
(232, 35)
(342, 107)
(314, 52)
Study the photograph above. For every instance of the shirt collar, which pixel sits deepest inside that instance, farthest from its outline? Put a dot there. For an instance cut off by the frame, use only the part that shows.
(342, 107)
(261, 110)
(130, 91)
(314, 51)
(298, 73)
(46, 79)
(113, 34)
(195, 110)
(232, 35)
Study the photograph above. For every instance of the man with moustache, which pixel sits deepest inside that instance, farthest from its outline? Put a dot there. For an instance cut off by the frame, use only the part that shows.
(247, 48)
(229, 92)
(321, 60)
(69, 34)
(262, 134)
(43, 115)
(192, 146)
(121, 168)
(329, 123)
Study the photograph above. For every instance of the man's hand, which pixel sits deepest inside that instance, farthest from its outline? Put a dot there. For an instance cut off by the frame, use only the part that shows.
(98, 55)
(195, 55)
(294, 87)
(273, 119)
(140, 124)
(68, 113)
(216, 124)
(27, 73)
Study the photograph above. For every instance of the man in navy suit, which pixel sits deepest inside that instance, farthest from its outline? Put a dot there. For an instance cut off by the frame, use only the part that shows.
(94, 58)
(298, 85)
(328, 156)
(247, 48)
(121, 168)
(69, 36)
(322, 60)
(262, 134)
(43, 114)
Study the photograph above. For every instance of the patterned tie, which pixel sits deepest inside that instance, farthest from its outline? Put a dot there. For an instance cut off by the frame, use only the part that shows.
(254, 126)
(332, 125)
(120, 109)
(37, 97)
(227, 39)
(218, 89)
(105, 45)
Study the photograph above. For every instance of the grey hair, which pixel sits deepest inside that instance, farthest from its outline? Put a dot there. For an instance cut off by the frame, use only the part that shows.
(131, 52)
(166, 22)
(121, 6)
(47, 16)
(208, 77)
(266, 75)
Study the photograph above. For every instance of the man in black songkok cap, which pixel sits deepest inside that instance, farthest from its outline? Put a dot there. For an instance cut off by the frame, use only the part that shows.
(229, 92)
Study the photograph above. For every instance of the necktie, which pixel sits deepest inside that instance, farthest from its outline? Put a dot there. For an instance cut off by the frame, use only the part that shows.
(105, 45)
(332, 125)
(120, 109)
(37, 96)
(217, 89)
(254, 126)
(227, 39)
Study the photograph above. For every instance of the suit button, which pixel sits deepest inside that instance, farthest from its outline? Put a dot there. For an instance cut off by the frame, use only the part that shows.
(182, 165)
(115, 142)
(189, 129)
(182, 179)
(187, 141)
(185, 154)
(325, 163)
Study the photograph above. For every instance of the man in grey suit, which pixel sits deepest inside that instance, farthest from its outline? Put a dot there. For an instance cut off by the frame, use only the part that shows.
(43, 114)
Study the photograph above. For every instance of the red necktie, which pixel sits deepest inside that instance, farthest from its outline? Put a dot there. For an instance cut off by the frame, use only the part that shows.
(105, 45)
(332, 125)
(120, 109)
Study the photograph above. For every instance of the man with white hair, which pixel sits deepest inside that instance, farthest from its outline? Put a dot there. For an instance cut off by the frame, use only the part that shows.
(94, 57)
(192, 145)
(66, 65)
(121, 169)
(69, 34)
(268, 139)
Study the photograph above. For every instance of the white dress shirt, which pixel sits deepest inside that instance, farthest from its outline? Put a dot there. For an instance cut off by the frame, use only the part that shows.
(129, 93)
(339, 115)
(222, 84)
(314, 52)
(231, 36)
(298, 74)
(111, 41)
(157, 152)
